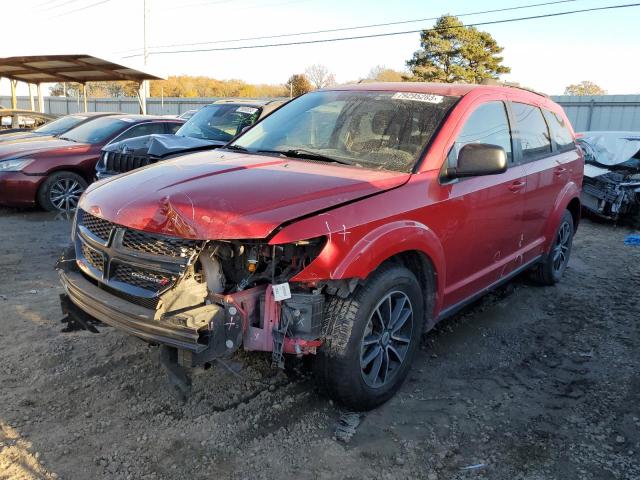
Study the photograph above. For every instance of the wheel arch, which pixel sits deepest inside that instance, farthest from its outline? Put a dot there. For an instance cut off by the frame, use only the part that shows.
(412, 244)
(567, 199)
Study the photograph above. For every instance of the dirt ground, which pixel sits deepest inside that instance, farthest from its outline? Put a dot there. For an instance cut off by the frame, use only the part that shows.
(529, 383)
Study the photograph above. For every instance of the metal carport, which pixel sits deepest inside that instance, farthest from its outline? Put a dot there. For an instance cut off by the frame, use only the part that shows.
(39, 69)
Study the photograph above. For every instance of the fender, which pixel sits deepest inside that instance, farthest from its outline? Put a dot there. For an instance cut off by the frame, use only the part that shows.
(378, 245)
(568, 193)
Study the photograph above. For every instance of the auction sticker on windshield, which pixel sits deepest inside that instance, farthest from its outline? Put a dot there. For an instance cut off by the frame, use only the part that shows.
(249, 110)
(418, 97)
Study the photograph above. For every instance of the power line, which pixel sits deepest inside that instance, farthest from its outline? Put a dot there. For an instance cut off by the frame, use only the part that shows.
(340, 39)
(51, 7)
(332, 30)
(81, 8)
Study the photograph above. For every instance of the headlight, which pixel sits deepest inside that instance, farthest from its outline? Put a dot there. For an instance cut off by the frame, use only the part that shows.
(14, 165)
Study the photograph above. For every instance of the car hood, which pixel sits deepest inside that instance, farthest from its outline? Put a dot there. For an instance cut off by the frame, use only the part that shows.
(25, 149)
(226, 195)
(24, 136)
(608, 149)
(161, 146)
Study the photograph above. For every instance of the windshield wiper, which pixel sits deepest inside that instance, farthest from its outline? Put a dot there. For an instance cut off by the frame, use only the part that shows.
(68, 139)
(237, 148)
(308, 154)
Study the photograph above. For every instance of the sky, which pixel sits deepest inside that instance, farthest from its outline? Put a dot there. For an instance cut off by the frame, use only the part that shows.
(545, 54)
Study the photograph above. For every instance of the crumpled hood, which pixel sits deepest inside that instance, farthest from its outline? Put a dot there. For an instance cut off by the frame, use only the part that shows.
(25, 149)
(160, 146)
(227, 195)
(607, 149)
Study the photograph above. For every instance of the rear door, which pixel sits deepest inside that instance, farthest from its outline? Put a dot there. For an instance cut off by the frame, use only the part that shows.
(545, 154)
(488, 210)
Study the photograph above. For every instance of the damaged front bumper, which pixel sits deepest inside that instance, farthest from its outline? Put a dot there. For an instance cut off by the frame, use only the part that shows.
(188, 330)
(611, 194)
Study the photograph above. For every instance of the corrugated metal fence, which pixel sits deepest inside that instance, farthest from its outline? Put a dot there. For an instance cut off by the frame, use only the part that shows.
(598, 112)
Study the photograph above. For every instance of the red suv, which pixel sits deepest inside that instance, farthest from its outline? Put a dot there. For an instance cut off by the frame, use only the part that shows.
(343, 225)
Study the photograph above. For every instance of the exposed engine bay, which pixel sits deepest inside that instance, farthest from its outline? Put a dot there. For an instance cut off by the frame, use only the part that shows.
(201, 299)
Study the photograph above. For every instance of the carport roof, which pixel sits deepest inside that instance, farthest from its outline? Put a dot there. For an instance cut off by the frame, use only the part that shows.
(68, 68)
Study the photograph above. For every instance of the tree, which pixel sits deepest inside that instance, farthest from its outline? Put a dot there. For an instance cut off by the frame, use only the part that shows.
(320, 76)
(584, 88)
(451, 52)
(298, 84)
(380, 73)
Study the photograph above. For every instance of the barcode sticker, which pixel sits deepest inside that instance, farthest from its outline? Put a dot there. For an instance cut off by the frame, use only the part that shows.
(418, 97)
(281, 292)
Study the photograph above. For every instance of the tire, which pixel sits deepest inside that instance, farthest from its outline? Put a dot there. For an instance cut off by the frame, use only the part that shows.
(354, 333)
(61, 191)
(550, 269)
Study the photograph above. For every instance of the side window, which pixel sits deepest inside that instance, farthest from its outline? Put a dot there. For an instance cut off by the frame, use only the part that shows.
(172, 128)
(533, 131)
(141, 130)
(487, 124)
(560, 133)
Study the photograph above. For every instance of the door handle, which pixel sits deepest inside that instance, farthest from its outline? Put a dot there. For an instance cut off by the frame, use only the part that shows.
(559, 171)
(516, 186)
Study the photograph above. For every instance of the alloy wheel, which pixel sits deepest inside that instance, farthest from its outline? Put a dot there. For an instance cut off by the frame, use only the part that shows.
(65, 194)
(561, 247)
(386, 339)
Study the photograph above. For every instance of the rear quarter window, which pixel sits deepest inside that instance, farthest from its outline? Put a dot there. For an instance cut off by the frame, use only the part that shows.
(560, 133)
(533, 132)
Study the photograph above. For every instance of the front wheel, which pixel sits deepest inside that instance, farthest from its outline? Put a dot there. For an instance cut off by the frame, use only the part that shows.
(371, 338)
(550, 270)
(61, 191)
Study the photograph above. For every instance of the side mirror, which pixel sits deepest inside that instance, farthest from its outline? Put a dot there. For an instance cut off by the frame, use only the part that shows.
(476, 159)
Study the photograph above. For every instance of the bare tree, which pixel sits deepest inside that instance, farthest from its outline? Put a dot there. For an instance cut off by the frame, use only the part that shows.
(320, 76)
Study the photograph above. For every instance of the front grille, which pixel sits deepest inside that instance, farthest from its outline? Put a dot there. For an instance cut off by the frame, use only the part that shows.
(99, 227)
(142, 278)
(93, 257)
(124, 273)
(151, 303)
(159, 245)
(124, 162)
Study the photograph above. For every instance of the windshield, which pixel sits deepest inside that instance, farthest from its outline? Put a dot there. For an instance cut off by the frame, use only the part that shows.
(219, 122)
(377, 130)
(60, 125)
(96, 131)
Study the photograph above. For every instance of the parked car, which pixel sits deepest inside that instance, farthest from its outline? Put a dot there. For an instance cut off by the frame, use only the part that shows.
(26, 120)
(54, 173)
(343, 225)
(612, 174)
(211, 127)
(187, 115)
(54, 128)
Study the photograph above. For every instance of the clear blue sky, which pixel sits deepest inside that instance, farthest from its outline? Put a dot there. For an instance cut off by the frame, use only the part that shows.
(547, 54)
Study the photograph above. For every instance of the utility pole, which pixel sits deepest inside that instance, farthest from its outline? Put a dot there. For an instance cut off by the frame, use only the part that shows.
(145, 83)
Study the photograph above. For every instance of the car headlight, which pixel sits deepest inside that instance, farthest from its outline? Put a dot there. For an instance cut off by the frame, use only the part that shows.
(14, 165)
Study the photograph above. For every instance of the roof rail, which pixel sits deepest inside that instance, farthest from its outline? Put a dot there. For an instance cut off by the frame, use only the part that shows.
(493, 81)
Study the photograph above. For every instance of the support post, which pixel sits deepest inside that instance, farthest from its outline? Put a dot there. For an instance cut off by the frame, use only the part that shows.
(31, 101)
(142, 98)
(15, 122)
(84, 95)
(40, 99)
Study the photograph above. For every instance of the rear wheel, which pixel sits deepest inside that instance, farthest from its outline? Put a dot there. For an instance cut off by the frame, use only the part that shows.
(371, 338)
(61, 191)
(550, 270)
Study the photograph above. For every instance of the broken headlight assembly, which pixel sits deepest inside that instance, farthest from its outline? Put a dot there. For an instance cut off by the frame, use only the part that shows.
(233, 266)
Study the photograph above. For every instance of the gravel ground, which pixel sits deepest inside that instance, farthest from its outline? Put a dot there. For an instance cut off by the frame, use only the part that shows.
(529, 383)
